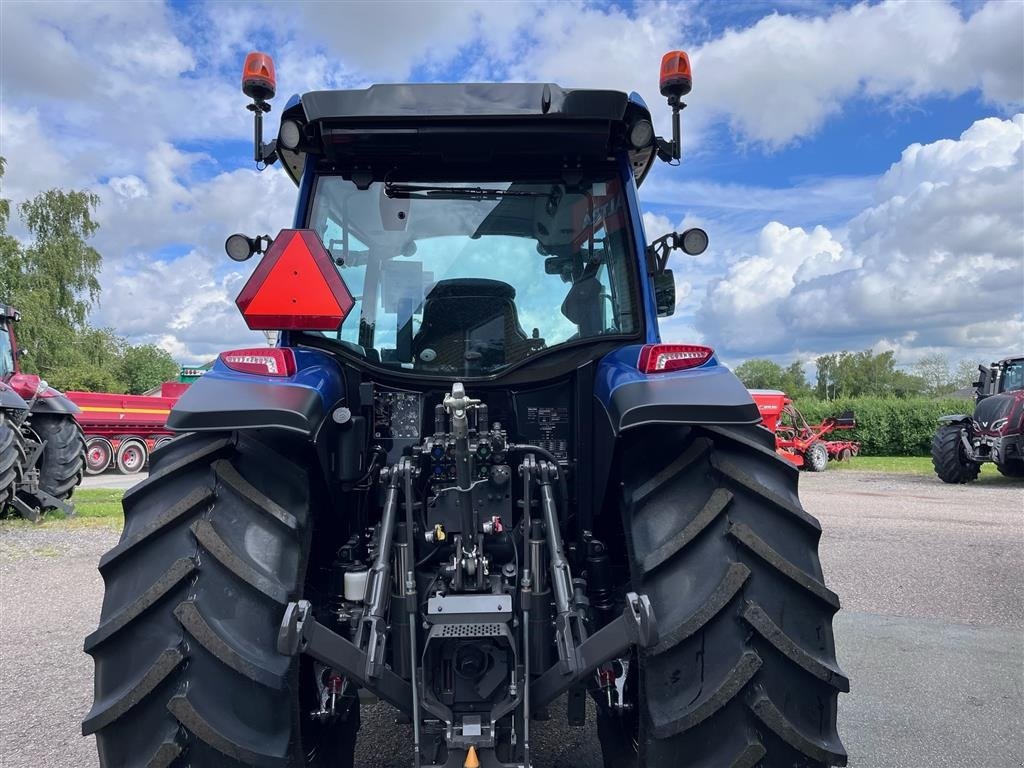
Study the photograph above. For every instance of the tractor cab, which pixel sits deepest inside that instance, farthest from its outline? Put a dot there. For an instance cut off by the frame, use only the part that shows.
(1005, 375)
(8, 347)
(477, 228)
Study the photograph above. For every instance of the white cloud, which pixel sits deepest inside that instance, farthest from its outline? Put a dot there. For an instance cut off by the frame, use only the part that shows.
(783, 77)
(938, 261)
(130, 98)
(184, 305)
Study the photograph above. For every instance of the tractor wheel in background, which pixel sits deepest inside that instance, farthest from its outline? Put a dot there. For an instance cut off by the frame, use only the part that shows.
(816, 457)
(131, 456)
(1011, 468)
(62, 464)
(215, 544)
(844, 455)
(949, 458)
(12, 458)
(98, 455)
(745, 671)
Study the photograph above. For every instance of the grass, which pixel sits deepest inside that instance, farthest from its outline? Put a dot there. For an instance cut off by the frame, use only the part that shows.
(98, 503)
(900, 465)
(94, 507)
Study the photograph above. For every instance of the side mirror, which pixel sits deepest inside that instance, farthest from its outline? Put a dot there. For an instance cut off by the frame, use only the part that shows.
(22, 352)
(665, 292)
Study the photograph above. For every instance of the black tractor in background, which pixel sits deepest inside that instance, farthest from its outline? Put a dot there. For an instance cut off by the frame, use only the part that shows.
(994, 433)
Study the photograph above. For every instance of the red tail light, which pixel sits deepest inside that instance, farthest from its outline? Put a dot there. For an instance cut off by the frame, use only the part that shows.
(262, 361)
(659, 358)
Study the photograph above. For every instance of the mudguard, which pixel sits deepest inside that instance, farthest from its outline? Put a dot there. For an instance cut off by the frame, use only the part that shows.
(955, 418)
(11, 400)
(710, 394)
(224, 399)
(626, 399)
(55, 403)
(49, 401)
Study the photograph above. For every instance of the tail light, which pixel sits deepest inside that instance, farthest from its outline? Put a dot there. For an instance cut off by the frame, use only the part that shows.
(262, 361)
(660, 358)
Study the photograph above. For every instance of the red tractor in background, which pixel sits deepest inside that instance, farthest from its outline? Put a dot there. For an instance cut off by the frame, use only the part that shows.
(796, 440)
(123, 430)
(994, 432)
(42, 450)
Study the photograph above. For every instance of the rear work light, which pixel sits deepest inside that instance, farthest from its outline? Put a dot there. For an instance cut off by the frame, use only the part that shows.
(260, 361)
(660, 358)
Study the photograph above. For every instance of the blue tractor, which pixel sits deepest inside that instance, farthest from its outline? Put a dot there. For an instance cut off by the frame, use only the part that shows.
(470, 479)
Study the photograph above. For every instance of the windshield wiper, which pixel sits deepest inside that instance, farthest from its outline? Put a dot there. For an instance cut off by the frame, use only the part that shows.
(427, 192)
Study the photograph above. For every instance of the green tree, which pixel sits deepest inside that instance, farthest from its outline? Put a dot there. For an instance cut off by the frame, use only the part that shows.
(760, 374)
(53, 280)
(91, 363)
(965, 374)
(855, 374)
(146, 366)
(794, 380)
(933, 370)
(9, 247)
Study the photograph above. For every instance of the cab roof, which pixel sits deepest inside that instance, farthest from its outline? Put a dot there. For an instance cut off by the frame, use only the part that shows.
(478, 122)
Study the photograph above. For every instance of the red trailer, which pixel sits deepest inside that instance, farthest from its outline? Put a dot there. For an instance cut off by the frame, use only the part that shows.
(796, 440)
(122, 430)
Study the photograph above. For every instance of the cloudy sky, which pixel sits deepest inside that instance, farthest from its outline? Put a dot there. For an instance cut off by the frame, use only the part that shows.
(858, 166)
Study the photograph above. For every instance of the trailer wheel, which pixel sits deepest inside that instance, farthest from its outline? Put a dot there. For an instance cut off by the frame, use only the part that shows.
(949, 458)
(816, 457)
(745, 671)
(159, 443)
(12, 462)
(1011, 468)
(844, 455)
(62, 464)
(215, 544)
(131, 456)
(98, 455)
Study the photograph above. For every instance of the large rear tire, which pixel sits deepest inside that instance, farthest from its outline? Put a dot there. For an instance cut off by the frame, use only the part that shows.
(745, 671)
(62, 464)
(215, 545)
(12, 460)
(949, 458)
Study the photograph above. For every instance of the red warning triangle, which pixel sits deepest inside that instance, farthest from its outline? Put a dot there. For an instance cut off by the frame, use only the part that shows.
(295, 287)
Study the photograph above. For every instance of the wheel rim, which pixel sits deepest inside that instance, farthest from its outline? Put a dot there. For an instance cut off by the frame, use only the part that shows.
(132, 458)
(97, 458)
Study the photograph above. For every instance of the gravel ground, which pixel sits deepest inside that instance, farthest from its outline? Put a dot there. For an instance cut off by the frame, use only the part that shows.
(931, 576)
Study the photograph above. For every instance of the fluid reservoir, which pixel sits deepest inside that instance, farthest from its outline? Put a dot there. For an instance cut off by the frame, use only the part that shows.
(355, 584)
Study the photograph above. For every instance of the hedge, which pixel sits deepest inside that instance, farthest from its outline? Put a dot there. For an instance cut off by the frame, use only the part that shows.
(888, 426)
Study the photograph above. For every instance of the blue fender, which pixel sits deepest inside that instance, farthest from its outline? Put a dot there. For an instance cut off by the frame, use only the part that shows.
(708, 395)
(223, 399)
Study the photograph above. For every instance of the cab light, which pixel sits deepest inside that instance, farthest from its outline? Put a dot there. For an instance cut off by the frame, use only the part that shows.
(675, 79)
(259, 81)
(277, 361)
(661, 358)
